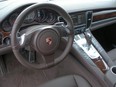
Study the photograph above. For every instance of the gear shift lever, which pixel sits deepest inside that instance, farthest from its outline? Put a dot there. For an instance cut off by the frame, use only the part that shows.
(88, 38)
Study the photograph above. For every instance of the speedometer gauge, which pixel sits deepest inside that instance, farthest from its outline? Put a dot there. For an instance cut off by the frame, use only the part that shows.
(30, 18)
(41, 16)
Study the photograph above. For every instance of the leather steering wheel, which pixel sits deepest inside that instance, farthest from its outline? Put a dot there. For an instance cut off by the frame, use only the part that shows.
(44, 39)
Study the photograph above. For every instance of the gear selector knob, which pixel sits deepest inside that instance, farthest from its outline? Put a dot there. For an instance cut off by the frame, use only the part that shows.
(88, 37)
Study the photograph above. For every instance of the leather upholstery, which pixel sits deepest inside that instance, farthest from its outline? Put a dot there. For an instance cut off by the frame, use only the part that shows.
(68, 81)
(112, 55)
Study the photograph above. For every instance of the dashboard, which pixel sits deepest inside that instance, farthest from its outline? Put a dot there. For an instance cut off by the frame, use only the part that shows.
(36, 17)
(102, 14)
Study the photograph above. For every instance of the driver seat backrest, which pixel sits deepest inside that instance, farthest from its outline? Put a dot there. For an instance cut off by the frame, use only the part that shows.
(68, 81)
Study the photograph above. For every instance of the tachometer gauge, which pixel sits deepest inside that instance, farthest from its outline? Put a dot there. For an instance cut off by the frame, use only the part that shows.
(30, 18)
(6, 26)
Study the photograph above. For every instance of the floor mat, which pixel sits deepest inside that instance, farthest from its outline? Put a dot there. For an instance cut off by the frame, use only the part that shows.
(19, 76)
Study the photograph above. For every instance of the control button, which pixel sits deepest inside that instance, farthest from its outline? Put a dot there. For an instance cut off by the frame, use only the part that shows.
(88, 18)
(7, 41)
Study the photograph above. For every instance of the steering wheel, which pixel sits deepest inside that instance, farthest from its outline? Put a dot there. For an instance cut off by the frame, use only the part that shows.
(44, 39)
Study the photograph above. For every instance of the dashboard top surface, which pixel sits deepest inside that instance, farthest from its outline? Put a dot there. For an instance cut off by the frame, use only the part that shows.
(70, 6)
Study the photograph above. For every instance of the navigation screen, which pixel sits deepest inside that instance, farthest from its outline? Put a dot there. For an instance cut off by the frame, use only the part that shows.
(78, 18)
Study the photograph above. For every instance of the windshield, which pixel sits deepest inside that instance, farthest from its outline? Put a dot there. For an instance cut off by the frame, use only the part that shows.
(2, 0)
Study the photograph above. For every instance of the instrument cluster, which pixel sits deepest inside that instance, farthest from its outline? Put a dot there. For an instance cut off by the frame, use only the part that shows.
(42, 16)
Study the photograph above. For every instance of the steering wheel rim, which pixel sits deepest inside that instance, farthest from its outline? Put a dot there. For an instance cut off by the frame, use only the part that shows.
(18, 24)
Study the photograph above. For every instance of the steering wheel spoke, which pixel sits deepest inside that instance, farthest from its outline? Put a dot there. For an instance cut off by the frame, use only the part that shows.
(24, 39)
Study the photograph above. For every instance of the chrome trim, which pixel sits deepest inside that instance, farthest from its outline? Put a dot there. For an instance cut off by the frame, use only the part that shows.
(22, 39)
(90, 50)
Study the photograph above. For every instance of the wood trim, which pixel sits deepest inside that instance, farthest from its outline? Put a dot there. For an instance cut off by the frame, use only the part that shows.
(4, 34)
(103, 16)
(100, 64)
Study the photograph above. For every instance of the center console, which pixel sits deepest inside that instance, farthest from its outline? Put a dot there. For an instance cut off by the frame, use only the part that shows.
(91, 52)
(92, 55)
